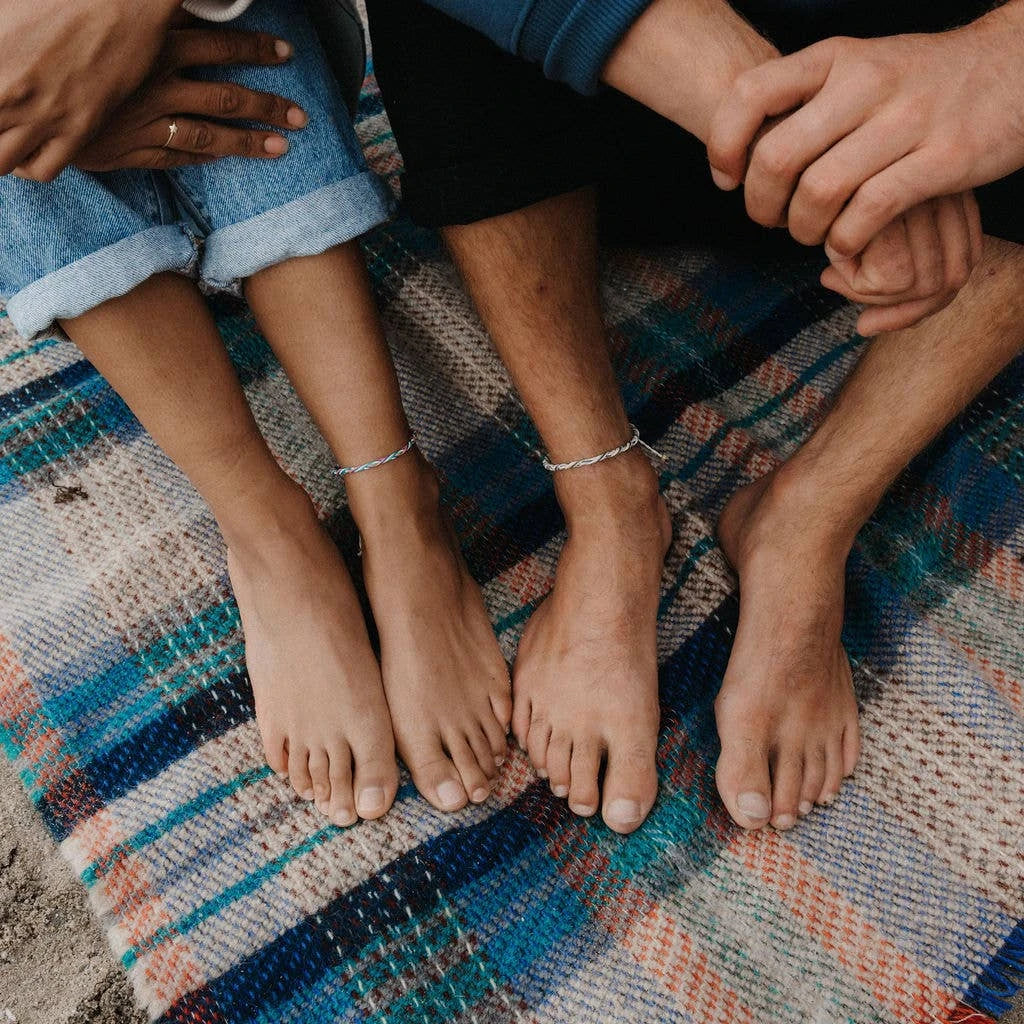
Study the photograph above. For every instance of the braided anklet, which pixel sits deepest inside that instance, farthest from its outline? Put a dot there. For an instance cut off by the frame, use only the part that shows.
(375, 463)
(593, 460)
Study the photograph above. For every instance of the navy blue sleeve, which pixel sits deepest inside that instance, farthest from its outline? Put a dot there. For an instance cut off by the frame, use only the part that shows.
(570, 39)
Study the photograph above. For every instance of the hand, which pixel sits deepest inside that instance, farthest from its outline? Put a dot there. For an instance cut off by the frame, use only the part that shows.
(137, 134)
(914, 267)
(66, 64)
(877, 126)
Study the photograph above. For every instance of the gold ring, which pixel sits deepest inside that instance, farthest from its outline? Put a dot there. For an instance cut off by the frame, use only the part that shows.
(172, 130)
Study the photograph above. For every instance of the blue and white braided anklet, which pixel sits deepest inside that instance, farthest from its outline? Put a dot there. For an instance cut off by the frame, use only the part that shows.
(375, 463)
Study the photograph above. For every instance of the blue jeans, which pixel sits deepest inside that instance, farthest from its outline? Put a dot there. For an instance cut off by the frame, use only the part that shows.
(71, 244)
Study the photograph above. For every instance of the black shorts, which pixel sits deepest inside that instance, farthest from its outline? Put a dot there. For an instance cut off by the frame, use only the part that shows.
(483, 133)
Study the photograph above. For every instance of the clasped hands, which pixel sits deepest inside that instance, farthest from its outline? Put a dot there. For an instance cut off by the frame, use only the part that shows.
(871, 147)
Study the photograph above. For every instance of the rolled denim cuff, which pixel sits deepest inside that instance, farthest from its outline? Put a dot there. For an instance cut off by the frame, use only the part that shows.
(108, 273)
(307, 226)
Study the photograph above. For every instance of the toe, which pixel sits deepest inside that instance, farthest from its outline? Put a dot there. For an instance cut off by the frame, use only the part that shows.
(814, 779)
(743, 780)
(481, 746)
(537, 745)
(521, 713)
(275, 750)
(851, 747)
(319, 766)
(833, 771)
(501, 705)
(298, 770)
(559, 758)
(436, 777)
(630, 783)
(787, 783)
(497, 737)
(375, 781)
(342, 809)
(475, 782)
(584, 767)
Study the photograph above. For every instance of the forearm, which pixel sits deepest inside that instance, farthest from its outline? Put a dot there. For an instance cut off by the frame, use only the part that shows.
(681, 56)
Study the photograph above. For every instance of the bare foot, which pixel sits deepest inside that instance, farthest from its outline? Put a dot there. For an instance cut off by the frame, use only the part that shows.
(786, 713)
(586, 675)
(319, 700)
(445, 677)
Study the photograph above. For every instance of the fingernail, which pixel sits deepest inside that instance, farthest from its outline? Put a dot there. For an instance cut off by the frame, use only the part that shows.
(282, 49)
(724, 181)
(480, 795)
(560, 790)
(784, 821)
(835, 257)
(450, 793)
(753, 806)
(275, 145)
(296, 117)
(806, 807)
(623, 812)
(370, 801)
(583, 810)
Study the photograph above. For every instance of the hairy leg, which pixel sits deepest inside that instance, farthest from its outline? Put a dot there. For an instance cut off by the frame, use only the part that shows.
(319, 699)
(445, 678)
(586, 679)
(786, 712)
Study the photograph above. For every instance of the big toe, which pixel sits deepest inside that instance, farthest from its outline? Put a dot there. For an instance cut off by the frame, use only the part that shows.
(744, 781)
(631, 781)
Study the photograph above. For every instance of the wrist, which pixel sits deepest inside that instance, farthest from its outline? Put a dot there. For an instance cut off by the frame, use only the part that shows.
(682, 56)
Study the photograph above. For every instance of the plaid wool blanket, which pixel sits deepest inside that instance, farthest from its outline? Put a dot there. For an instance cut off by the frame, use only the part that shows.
(125, 706)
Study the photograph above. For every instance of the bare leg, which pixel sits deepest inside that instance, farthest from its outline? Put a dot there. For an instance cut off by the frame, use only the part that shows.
(319, 699)
(786, 713)
(585, 680)
(444, 675)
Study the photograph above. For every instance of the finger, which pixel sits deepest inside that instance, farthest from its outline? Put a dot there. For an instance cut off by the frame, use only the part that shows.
(896, 318)
(887, 265)
(218, 140)
(226, 100)
(17, 145)
(955, 242)
(880, 200)
(773, 88)
(827, 185)
(974, 226)
(781, 159)
(48, 160)
(189, 48)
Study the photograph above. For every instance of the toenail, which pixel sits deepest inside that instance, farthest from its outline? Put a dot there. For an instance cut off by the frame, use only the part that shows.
(583, 810)
(499, 760)
(321, 806)
(623, 812)
(480, 795)
(343, 816)
(450, 793)
(753, 806)
(541, 773)
(370, 801)
(784, 821)
(829, 798)
(560, 790)
(806, 807)
(306, 794)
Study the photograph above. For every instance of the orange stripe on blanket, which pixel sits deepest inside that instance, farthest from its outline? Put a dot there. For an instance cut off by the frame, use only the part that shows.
(907, 992)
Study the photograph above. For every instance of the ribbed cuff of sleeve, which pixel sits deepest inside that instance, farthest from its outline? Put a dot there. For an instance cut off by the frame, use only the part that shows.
(573, 39)
(216, 10)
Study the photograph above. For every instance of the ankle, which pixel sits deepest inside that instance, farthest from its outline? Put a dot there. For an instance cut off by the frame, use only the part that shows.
(621, 494)
(266, 516)
(393, 499)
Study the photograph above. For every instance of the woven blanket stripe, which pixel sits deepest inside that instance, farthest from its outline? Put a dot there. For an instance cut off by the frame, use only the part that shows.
(124, 703)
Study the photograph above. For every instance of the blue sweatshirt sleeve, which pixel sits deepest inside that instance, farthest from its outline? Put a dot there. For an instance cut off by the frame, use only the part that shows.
(570, 39)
